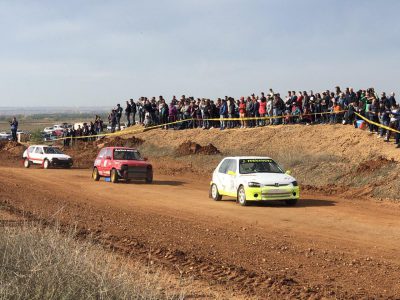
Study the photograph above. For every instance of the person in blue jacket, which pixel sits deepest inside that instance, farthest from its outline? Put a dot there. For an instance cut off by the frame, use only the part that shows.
(14, 128)
(223, 111)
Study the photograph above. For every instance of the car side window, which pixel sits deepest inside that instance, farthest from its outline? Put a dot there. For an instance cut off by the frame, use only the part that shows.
(231, 166)
(109, 153)
(38, 150)
(102, 153)
(224, 166)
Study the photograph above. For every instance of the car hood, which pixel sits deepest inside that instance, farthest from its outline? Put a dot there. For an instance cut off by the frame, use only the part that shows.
(268, 178)
(141, 163)
(59, 156)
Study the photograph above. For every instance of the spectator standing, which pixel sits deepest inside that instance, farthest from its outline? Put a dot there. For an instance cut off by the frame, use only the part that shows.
(223, 110)
(392, 99)
(133, 111)
(242, 112)
(112, 119)
(118, 113)
(128, 112)
(278, 107)
(14, 128)
(262, 108)
(98, 124)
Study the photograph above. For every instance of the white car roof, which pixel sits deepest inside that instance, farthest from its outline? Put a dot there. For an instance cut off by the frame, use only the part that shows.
(248, 157)
(41, 146)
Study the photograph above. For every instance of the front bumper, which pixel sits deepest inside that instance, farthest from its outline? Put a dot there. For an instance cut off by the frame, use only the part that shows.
(272, 193)
(135, 173)
(62, 163)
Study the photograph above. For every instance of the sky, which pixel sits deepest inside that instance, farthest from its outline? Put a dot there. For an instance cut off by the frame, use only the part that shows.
(98, 53)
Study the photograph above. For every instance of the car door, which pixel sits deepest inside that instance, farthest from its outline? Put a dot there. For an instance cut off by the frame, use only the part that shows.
(38, 155)
(224, 178)
(31, 154)
(98, 163)
(107, 162)
(231, 175)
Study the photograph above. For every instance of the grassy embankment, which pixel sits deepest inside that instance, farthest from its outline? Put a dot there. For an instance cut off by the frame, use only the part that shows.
(39, 263)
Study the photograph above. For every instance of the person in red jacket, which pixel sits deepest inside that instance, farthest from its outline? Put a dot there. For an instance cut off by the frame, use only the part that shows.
(242, 112)
(262, 109)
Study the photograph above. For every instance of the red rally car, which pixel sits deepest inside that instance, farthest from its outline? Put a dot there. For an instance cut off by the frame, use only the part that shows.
(121, 163)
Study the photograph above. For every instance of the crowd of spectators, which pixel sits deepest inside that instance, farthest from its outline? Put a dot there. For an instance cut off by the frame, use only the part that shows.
(86, 131)
(302, 107)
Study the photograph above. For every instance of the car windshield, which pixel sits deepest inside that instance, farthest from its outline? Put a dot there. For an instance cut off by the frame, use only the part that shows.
(51, 150)
(249, 166)
(126, 154)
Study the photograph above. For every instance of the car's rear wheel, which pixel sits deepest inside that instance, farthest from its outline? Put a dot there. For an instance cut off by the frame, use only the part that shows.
(27, 163)
(46, 164)
(214, 194)
(114, 176)
(95, 174)
(291, 202)
(241, 196)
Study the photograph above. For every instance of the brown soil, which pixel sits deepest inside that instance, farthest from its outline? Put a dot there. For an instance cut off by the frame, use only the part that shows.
(120, 142)
(326, 247)
(189, 148)
(374, 164)
(11, 150)
(337, 243)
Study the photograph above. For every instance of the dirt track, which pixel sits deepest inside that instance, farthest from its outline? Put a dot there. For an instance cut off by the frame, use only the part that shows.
(327, 246)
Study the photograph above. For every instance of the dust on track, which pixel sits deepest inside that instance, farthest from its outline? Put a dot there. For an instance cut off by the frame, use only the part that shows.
(326, 247)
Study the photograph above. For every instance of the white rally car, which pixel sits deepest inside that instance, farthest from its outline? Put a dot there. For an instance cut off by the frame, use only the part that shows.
(46, 156)
(253, 178)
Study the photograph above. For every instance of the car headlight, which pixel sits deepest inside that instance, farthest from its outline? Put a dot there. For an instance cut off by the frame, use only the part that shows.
(254, 184)
(294, 183)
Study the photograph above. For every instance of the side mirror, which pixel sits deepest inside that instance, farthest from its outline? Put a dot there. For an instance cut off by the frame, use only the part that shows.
(231, 173)
(108, 157)
(145, 159)
(288, 172)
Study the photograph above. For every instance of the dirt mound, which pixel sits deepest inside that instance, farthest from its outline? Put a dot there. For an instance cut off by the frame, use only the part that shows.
(188, 148)
(373, 165)
(120, 142)
(83, 153)
(11, 150)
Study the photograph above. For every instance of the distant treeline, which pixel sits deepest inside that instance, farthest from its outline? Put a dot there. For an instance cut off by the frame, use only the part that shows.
(56, 117)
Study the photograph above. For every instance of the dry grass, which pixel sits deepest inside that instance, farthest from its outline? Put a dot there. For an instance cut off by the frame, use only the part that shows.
(39, 263)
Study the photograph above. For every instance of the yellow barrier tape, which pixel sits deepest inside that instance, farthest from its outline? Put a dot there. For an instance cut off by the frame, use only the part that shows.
(377, 124)
(133, 130)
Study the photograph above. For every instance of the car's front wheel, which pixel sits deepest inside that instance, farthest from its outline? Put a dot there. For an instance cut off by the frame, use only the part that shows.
(149, 177)
(241, 196)
(114, 176)
(46, 164)
(95, 174)
(27, 163)
(214, 194)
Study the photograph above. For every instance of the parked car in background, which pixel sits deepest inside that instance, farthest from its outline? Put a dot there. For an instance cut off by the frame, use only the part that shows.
(116, 128)
(5, 136)
(122, 163)
(46, 156)
(48, 137)
(252, 178)
(48, 129)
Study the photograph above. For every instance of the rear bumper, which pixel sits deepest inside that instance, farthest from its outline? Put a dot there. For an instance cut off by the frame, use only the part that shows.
(272, 193)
